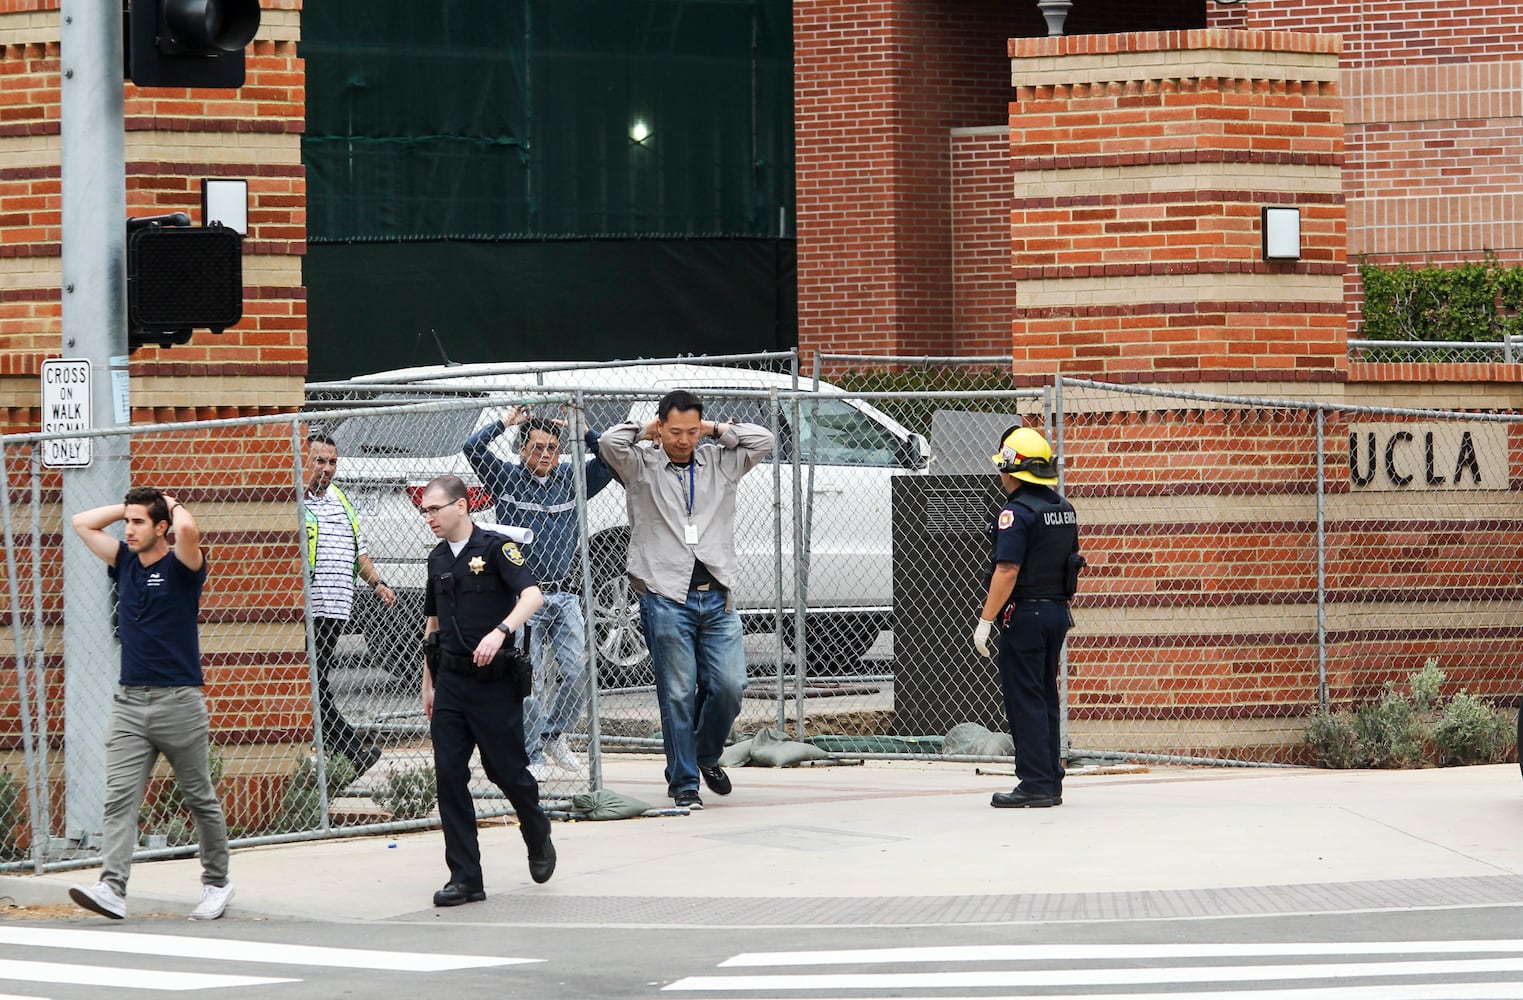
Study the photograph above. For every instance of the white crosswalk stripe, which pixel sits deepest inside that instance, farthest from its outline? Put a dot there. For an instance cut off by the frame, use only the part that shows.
(1242, 968)
(150, 946)
(186, 946)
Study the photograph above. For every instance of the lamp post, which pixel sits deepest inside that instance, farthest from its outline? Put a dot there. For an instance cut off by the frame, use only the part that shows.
(1054, 11)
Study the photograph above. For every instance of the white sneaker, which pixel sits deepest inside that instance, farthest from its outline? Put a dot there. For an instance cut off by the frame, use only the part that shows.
(101, 898)
(214, 899)
(539, 769)
(559, 751)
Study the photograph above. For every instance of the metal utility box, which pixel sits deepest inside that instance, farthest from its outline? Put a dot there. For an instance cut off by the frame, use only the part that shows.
(940, 527)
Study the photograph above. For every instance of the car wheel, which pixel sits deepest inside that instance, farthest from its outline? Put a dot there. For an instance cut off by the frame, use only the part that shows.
(623, 657)
(836, 642)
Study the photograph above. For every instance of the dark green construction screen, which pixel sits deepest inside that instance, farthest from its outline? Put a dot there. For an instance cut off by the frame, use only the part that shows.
(553, 179)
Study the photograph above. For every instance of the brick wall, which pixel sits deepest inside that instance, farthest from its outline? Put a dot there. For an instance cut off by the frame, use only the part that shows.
(239, 482)
(983, 285)
(1141, 165)
(1200, 599)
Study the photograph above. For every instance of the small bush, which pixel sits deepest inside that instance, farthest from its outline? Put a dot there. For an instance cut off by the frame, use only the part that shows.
(1335, 739)
(407, 792)
(301, 805)
(1397, 729)
(1470, 731)
(164, 811)
(1390, 732)
(10, 816)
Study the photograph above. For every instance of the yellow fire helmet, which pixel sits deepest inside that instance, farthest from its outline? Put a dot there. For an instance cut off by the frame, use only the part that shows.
(1026, 455)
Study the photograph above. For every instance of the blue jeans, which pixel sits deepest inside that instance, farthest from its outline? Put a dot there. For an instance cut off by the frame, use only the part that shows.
(558, 640)
(699, 658)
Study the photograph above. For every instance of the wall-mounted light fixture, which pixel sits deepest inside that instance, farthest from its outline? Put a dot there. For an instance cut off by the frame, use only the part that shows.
(1282, 233)
(227, 202)
(639, 132)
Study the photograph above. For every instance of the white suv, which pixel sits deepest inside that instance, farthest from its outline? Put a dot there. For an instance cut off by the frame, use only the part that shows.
(385, 459)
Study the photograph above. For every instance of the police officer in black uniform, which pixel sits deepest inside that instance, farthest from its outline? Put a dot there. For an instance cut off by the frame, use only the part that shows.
(479, 594)
(1033, 569)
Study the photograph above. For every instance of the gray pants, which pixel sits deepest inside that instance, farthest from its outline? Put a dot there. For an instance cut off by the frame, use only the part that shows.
(145, 722)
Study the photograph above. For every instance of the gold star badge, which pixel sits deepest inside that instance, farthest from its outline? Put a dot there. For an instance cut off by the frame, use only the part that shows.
(477, 564)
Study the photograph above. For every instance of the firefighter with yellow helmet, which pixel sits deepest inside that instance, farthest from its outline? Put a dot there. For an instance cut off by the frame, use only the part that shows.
(1033, 570)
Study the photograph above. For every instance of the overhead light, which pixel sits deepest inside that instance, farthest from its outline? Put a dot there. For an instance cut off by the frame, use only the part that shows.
(639, 131)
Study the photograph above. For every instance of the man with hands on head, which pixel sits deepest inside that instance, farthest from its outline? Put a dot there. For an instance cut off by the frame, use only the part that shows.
(479, 594)
(680, 497)
(539, 493)
(158, 707)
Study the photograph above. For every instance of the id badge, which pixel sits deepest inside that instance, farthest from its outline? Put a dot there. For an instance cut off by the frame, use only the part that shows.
(691, 534)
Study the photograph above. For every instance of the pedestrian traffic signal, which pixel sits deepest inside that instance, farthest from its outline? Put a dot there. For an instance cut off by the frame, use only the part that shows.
(179, 279)
(189, 43)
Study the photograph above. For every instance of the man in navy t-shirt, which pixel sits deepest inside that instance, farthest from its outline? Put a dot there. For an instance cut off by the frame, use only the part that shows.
(158, 707)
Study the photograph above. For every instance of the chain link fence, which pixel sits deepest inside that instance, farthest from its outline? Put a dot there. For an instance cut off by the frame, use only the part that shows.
(1250, 561)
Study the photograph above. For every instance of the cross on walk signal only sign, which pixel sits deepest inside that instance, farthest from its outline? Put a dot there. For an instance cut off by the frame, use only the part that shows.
(66, 407)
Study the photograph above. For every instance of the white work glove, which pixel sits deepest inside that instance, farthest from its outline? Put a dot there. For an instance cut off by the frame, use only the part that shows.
(981, 638)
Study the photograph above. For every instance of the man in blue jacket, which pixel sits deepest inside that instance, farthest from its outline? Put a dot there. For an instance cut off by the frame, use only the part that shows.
(539, 493)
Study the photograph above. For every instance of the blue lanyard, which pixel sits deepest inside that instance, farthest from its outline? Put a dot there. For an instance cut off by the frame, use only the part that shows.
(691, 489)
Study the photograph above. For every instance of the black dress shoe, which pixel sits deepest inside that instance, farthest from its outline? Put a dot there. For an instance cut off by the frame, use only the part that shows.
(365, 759)
(542, 862)
(1021, 800)
(453, 894)
(716, 779)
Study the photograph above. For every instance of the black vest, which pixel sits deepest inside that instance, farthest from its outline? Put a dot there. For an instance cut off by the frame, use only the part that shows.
(469, 604)
(1044, 571)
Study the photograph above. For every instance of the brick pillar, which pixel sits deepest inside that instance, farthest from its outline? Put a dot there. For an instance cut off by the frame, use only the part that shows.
(877, 87)
(1142, 162)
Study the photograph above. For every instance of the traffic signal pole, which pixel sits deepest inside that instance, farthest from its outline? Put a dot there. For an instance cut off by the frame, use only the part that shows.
(94, 301)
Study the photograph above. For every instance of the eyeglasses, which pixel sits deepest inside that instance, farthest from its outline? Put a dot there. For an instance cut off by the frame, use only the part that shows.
(436, 508)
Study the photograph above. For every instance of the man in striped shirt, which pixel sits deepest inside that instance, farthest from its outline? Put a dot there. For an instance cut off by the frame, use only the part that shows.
(336, 558)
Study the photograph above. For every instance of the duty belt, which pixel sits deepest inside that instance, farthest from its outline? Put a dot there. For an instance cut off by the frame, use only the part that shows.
(456, 664)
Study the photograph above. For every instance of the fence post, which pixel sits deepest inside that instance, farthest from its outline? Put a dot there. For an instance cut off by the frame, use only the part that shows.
(777, 568)
(579, 423)
(23, 682)
(1321, 560)
(1056, 413)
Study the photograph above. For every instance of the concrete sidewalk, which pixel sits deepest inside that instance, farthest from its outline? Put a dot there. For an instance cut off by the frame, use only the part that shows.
(901, 842)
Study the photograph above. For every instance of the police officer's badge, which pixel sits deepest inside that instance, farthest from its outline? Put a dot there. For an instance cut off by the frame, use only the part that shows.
(1006, 518)
(513, 552)
(477, 564)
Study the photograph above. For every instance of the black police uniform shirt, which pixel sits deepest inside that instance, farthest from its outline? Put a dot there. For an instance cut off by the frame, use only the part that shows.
(1039, 541)
(489, 576)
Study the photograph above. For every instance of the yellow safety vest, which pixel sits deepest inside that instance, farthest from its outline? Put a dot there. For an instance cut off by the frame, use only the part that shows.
(312, 527)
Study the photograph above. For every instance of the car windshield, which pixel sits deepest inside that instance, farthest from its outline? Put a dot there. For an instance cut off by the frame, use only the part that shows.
(409, 435)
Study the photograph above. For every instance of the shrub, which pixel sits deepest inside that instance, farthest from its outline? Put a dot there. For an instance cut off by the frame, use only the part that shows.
(1335, 739)
(407, 792)
(1470, 731)
(301, 805)
(164, 811)
(10, 802)
(1390, 731)
(1396, 729)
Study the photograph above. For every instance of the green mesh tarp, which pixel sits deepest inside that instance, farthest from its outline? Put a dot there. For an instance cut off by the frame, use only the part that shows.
(510, 118)
(546, 180)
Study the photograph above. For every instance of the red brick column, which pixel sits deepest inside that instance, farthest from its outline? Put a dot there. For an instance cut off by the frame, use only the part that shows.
(1142, 162)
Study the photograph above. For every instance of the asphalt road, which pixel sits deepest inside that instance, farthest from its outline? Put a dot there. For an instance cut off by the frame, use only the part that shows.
(1431, 954)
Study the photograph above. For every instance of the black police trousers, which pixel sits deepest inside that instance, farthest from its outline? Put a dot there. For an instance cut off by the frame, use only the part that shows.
(486, 715)
(1030, 650)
